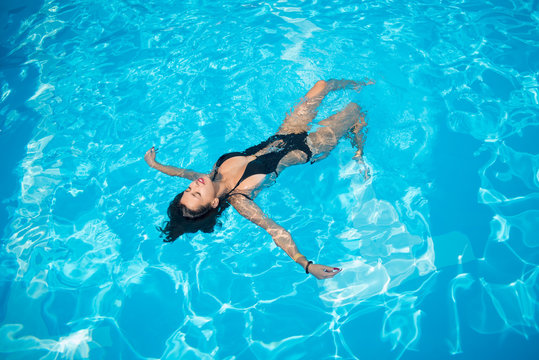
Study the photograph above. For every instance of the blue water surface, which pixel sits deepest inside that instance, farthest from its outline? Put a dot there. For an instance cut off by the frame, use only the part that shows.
(439, 246)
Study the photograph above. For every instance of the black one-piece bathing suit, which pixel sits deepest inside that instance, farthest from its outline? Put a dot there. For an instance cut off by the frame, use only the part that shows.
(267, 163)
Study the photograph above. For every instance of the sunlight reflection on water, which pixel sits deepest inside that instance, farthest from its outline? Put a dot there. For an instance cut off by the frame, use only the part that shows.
(86, 273)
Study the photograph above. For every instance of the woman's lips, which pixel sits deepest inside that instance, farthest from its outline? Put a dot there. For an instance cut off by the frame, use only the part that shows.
(201, 180)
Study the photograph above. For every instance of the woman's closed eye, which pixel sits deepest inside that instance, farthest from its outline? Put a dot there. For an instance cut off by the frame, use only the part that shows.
(195, 194)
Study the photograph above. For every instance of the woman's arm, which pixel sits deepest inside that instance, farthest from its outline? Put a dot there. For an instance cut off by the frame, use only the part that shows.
(282, 238)
(149, 157)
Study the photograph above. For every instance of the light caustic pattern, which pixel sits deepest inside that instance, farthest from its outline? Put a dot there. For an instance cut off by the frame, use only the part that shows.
(88, 275)
(494, 98)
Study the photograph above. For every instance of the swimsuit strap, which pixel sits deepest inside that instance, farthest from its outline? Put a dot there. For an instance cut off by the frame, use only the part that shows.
(242, 194)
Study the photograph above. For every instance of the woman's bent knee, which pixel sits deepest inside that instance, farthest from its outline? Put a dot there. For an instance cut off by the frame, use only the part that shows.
(353, 107)
(317, 89)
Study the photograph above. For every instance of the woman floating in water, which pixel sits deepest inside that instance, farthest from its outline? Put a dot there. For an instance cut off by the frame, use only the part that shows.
(237, 177)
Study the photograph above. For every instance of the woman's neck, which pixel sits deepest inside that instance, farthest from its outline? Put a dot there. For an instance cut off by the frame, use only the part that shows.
(220, 188)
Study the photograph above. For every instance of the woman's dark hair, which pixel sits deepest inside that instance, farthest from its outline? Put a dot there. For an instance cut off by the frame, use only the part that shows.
(182, 220)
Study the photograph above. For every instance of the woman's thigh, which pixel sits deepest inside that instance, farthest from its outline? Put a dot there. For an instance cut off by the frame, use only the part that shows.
(300, 119)
(325, 138)
(295, 157)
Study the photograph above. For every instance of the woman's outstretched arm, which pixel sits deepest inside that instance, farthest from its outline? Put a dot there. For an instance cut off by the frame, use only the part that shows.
(149, 157)
(282, 238)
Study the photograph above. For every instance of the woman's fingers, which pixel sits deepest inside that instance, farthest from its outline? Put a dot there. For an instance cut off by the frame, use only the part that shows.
(324, 272)
(152, 150)
(149, 157)
(331, 272)
(329, 269)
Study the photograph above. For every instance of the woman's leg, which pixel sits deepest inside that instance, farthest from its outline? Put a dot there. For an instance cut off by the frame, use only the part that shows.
(303, 114)
(323, 140)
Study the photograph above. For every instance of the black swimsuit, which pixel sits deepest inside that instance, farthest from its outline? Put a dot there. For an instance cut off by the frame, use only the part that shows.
(267, 163)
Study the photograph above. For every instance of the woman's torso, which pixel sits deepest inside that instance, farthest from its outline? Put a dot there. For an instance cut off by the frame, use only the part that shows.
(257, 167)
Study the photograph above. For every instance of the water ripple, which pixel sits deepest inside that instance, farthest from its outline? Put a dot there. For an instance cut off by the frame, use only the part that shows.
(87, 274)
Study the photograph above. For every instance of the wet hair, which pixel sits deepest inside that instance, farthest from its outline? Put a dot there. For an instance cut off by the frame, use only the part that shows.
(183, 220)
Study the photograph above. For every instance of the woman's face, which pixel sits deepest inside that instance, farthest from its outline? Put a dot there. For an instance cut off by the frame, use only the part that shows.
(200, 194)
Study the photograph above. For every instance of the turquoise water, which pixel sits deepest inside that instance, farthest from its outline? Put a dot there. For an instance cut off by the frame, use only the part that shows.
(439, 247)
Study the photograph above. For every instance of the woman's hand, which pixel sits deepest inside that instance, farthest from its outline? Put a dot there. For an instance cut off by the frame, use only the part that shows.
(323, 272)
(149, 157)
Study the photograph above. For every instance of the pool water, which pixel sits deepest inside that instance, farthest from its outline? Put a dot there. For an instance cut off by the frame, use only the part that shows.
(439, 247)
